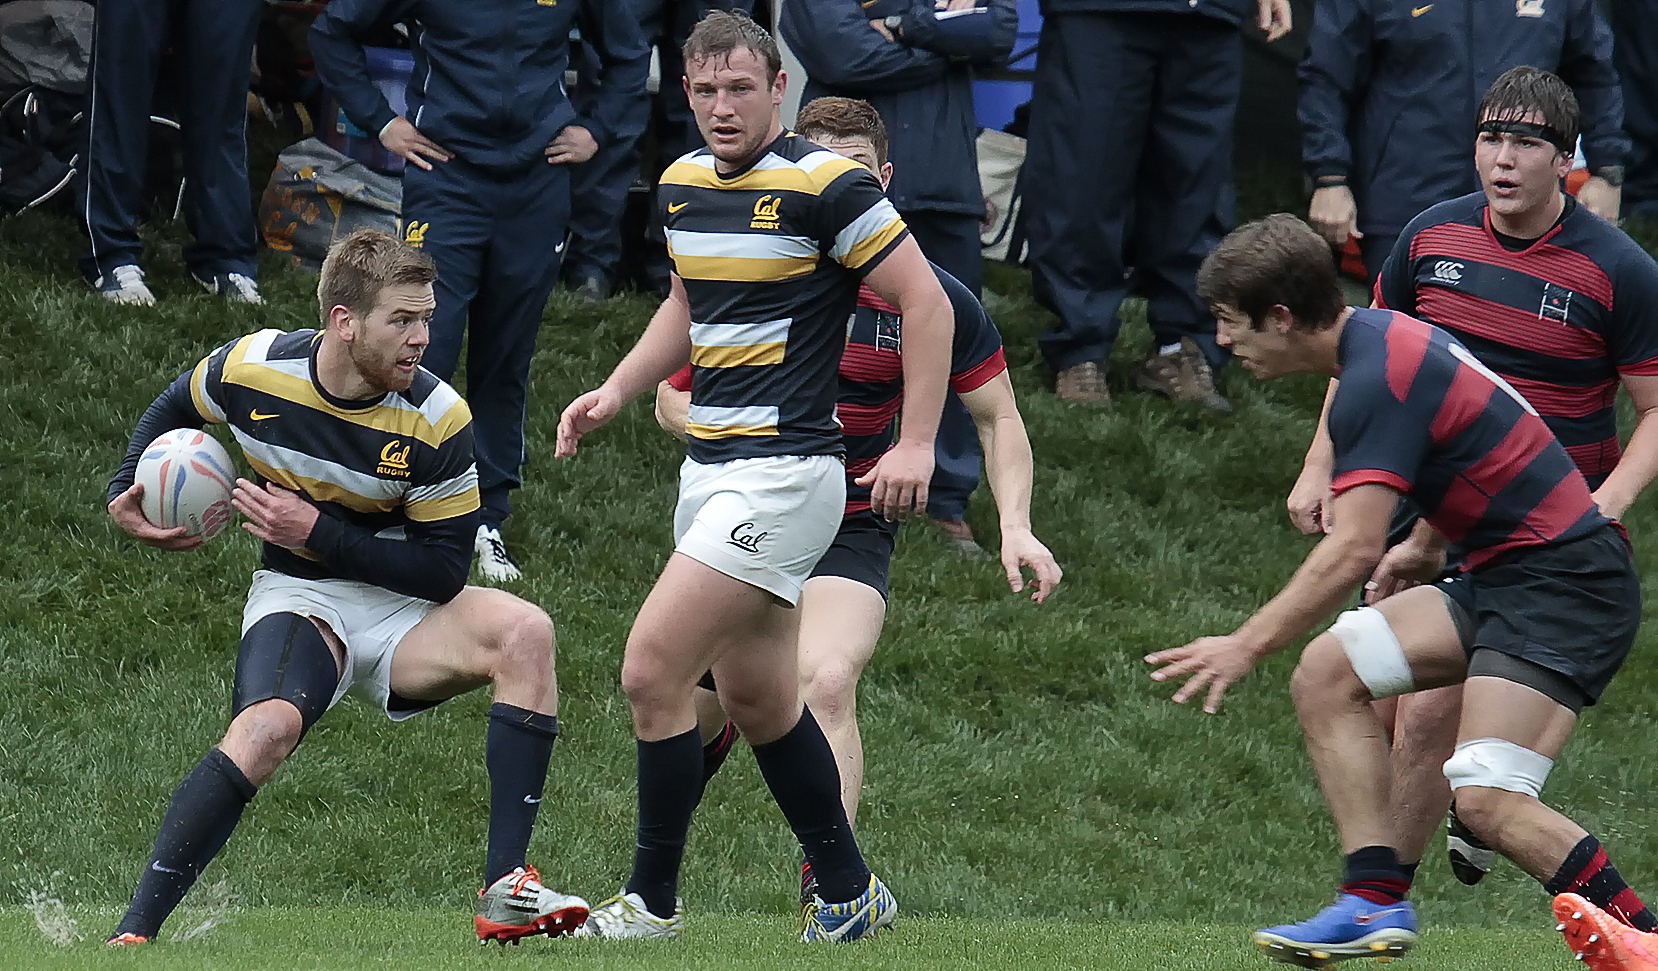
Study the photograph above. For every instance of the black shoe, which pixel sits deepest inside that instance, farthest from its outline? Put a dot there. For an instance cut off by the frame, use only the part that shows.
(1471, 857)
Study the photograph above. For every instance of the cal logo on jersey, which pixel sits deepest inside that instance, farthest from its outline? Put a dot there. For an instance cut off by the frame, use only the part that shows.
(415, 233)
(765, 212)
(394, 460)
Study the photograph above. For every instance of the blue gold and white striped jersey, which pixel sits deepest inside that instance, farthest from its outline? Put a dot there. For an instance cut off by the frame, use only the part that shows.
(771, 256)
(389, 465)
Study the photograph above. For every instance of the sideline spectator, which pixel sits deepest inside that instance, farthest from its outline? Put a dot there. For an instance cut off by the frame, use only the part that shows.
(914, 64)
(1130, 151)
(128, 38)
(599, 190)
(1388, 86)
(1635, 52)
(490, 138)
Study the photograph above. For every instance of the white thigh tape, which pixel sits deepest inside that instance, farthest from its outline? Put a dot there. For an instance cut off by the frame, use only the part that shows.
(1374, 652)
(1498, 764)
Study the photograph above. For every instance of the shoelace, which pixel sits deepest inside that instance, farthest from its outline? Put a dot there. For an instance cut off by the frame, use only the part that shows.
(244, 286)
(128, 276)
(524, 878)
(497, 548)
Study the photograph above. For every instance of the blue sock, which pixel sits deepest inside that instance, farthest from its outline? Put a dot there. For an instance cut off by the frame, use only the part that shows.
(800, 770)
(670, 785)
(519, 746)
(204, 811)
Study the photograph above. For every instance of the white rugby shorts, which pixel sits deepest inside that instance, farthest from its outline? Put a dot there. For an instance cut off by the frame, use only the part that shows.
(765, 521)
(369, 620)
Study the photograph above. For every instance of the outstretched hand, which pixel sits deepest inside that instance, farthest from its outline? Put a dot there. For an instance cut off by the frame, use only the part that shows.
(1021, 549)
(1215, 663)
(128, 512)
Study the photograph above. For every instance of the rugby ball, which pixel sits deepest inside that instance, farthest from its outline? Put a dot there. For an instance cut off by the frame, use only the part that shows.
(187, 477)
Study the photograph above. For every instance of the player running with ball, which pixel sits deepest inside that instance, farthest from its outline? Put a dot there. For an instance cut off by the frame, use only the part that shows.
(770, 236)
(367, 507)
(843, 604)
(1538, 620)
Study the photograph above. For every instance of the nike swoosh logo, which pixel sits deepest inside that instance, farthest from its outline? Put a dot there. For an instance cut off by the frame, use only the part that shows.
(256, 416)
(1419, 11)
(1375, 915)
(675, 208)
(532, 800)
(164, 869)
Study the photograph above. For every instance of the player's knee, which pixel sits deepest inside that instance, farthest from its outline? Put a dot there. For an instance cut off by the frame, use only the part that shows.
(831, 690)
(1324, 679)
(1492, 780)
(523, 639)
(262, 736)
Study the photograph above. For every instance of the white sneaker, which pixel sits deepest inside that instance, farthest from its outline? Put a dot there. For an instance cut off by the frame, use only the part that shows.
(235, 287)
(493, 562)
(125, 284)
(626, 916)
(517, 905)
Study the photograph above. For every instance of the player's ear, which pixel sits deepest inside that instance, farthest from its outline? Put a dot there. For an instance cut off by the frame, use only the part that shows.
(886, 175)
(1280, 319)
(342, 323)
(779, 85)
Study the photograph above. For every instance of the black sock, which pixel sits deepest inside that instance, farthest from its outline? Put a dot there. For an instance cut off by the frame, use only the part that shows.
(518, 748)
(670, 785)
(204, 810)
(1375, 873)
(714, 753)
(1588, 873)
(800, 770)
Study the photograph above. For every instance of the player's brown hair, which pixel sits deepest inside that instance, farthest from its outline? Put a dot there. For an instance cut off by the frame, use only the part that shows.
(720, 34)
(844, 118)
(1523, 90)
(1274, 260)
(358, 267)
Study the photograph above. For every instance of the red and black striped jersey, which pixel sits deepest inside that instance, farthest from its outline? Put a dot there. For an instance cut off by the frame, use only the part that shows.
(1561, 320)
(872, 374)
(1417, 412)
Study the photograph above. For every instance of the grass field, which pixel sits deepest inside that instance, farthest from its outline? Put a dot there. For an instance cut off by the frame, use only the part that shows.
(1022, 765)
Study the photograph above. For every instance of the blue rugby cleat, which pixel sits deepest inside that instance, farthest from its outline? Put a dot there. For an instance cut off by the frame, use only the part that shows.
(853, 920)
(1352, 927)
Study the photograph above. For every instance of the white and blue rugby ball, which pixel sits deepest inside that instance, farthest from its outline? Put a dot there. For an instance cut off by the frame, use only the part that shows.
(187, 477)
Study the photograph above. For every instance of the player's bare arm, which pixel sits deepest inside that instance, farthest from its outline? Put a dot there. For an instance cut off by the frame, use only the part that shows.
(1417, 560)
(664, 348)
(1309, 498)
(127, 511)
(1329, 575)
(274, 514)
(1639, 464)
(1008, 466)
(898, 482)
(673, 408)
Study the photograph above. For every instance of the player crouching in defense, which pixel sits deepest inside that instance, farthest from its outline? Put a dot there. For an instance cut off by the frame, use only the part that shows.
(843, 603)
(367, 510)
(1539, 618)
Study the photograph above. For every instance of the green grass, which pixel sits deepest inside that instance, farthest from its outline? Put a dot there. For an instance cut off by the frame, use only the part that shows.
(1020, 760)
(432, 940)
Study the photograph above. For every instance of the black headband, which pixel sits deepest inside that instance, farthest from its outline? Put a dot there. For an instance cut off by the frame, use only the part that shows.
(1526, 129)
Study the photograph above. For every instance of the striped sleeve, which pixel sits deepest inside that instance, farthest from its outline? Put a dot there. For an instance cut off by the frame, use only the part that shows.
(447, 487)
(207, 381)
(860, 225)
(1633, 340)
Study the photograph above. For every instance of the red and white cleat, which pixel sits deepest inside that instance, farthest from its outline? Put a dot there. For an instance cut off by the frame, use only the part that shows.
(127, 940)
(1600, 940)
(517, 906)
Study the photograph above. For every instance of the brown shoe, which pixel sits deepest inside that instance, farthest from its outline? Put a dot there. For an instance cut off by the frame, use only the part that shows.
(1183, 376)
(960, 537)
(1082, 384)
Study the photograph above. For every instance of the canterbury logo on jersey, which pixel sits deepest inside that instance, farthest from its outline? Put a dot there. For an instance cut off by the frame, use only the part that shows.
(393, 460)
(765, 212)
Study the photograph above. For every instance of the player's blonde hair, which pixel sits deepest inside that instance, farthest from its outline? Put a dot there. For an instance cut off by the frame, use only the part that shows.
(358, 267)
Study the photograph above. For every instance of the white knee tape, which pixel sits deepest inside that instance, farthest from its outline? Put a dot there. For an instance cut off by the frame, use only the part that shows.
(1374, 652)
(1498, 764)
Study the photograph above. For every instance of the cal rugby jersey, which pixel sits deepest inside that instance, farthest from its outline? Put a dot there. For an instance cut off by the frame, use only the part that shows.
(771, 256)
(1415, 411)
(386, 465)
(872, 375)
(1560, 320)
